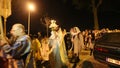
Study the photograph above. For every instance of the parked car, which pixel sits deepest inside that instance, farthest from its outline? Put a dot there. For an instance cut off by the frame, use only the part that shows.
(107, 49)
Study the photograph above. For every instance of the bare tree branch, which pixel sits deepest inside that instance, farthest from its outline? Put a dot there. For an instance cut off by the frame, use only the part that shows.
(93, 3)
(99, 3)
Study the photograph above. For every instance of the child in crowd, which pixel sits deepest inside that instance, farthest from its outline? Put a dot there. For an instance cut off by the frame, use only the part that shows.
(45, 52)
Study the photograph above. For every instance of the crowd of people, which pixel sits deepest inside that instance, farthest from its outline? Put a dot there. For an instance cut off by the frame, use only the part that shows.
(56, 51)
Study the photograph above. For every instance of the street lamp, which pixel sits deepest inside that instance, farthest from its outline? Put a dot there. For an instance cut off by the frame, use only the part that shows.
(30, 8)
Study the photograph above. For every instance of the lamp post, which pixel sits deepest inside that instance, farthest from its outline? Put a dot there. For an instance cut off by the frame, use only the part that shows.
(30, 8)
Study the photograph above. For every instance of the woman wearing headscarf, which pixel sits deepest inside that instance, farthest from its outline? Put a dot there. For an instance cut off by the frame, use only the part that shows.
(77, 41)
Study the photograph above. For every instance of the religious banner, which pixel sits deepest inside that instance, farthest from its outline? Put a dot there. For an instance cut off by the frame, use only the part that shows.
(1, 28)
(5, 8)
(5, 11)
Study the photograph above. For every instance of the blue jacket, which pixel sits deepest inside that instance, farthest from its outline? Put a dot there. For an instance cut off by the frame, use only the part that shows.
(19, 49)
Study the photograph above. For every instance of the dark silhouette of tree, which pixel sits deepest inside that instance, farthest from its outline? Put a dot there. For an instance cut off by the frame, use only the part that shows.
(93, 5)
(94, 10)
(46, 21)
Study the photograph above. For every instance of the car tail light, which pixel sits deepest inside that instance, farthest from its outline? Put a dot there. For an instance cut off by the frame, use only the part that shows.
(101, 49)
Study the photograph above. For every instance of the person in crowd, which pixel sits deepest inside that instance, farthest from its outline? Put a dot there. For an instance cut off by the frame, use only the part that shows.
(35, 52)
(45, 51)
(39, 36)
(68, 44)
(91, 42)
(86, 37)
(18, 48)
(58, 57)
(77, 41)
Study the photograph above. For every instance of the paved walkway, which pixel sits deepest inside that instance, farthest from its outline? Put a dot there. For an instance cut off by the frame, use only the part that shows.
(87, 61)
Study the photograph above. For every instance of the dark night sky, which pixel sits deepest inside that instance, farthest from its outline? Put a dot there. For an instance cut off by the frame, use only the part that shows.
(66, 14)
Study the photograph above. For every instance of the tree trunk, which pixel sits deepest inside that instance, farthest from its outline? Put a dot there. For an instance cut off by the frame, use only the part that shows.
(96, 25)
(94, 10)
